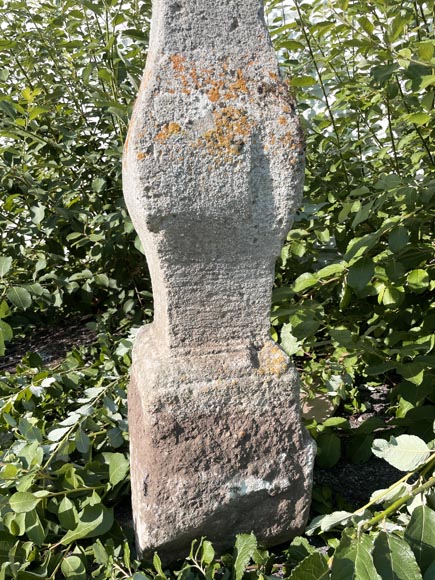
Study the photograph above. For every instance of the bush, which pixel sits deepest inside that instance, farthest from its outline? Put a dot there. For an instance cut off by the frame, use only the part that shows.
(353, 299)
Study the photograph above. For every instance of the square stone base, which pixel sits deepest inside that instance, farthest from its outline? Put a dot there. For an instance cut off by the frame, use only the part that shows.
(218, 456)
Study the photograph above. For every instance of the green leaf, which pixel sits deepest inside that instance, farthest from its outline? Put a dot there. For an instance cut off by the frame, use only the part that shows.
(119, 467)
(4, 309)
(353, 559)
(303, 81)
(5, 265)
(67, 514)
(157, 563)
(393, 296)
(34, 528)
(420, 534)
(98, 184)
(15, 523)
(398, 238)
(289, 342)
(362, 215)
(94, 521)
(37, 112)
(58, 434)
(418, 280)
(328, 449)
(359, 246)
(360, 273)
(8, 108)
(426, 81)
(394, 559)
(405, 452)
(73, 568)
(304, 281)
(418, 118)
(412, 372)
(82, 441)
(366, 25)
(331, 270)
(23, 501)
(313, 567)
(245, 547)
(328, 522)
(19, 297)
(430, 572)
(6, 330)
(207, 553)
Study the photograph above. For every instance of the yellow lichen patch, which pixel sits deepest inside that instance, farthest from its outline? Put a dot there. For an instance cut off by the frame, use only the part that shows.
(273, 361)
(227, 138)
(141, 155)
(167, 131)
(282, 121)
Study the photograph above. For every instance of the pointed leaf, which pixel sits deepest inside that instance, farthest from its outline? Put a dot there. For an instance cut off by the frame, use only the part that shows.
(420, 534)
(394, 559)
(245, 546)
(34, 528)
(19, 297)
(94, 521)
(67, 514)
(353, 559)
(314, 567)
(119, 467)
(328, 522)
(82, 441)
(5, 265)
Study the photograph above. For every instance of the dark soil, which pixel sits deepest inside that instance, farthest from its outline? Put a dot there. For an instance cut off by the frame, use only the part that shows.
(51, 343)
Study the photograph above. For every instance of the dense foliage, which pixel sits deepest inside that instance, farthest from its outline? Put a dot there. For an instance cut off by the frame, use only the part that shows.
(353, 302)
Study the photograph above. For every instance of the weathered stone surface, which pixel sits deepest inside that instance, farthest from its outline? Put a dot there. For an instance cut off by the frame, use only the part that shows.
(213, 170)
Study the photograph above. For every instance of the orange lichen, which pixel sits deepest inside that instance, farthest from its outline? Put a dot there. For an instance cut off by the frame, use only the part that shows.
(282, 121)
(226, 140)
(141, 155)
(214, 94)
(239, 85)
(216, 85)
(178, 62)
(167, 131)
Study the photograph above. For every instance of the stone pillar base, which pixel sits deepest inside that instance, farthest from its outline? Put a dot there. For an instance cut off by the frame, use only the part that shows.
(219, 456)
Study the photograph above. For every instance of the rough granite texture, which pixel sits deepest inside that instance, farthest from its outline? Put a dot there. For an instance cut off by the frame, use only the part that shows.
(213, 170)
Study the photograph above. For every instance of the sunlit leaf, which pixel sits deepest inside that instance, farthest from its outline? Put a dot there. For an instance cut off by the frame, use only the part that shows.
(405, 452)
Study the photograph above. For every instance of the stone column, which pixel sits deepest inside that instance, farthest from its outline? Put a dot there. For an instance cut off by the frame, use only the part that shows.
(213, 170)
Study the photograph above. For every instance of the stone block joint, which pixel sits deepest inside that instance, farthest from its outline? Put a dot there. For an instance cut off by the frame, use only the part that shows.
(213, 172)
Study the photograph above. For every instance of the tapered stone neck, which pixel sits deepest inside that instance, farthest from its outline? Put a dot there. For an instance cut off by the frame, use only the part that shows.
(188, 25)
